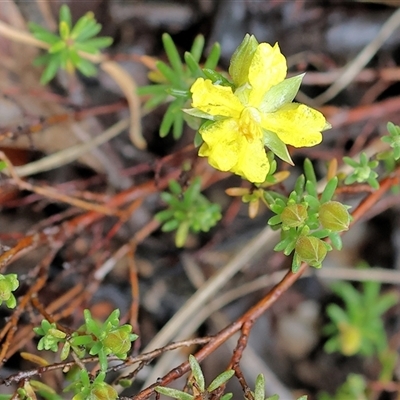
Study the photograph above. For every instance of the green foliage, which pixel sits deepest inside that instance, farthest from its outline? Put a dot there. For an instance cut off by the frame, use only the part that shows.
(85, 388)
(354, 388)
(65, 50)
(305, 218)
(358, 328)
(173, 82)
(393, 139)
(93, 337)
(363, 171)
(259, 392)
(8, 284)
(197, 384)
(188, 210)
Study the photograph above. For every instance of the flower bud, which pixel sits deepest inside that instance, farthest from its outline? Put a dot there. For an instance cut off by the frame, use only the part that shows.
(350, 339)
(311, 250)
(241, 60)
(334, 216)
(118, 341)
(293, 215)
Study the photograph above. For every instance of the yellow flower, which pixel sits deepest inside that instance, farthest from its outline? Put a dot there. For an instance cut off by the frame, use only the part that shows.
(258, 113)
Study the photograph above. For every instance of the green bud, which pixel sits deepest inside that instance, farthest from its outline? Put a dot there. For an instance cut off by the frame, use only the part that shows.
(5, 290)
(241, 60)
(311, 250)
(119, 340)
(334, 216)
(294, 215)
(105, 392)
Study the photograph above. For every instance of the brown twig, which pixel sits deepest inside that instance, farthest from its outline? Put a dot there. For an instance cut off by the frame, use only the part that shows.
(257, 310)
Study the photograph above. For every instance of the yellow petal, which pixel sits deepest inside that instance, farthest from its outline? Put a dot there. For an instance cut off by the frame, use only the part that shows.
(267, 69)
(221, 144)
(215, 99)
(253, 162)
(296, 124)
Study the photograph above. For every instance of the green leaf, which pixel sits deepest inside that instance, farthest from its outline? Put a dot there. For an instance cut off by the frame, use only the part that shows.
(337, 314)
(169, 73)
(178, 126)
(329, 190)
(174, 393)
(56, 47)
(172, 53)
(217, 78)
(99, 42)
(43, 34)
(65, 15)
(86, 67)
(85, 24)
(280, 94)
(197, 372)
(64, 30)
(309, 171)
(170, 225)
(272, 141)
(213, 57)
(220, 380)
(259, 392)
(197, 47)
(51, 70)
(168, 119)
(179, 93)
(193, 65)
(174, 187)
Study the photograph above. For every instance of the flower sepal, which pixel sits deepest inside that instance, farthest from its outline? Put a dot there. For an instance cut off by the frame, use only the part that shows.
(272, 141)
(280, 94)
(241, 60)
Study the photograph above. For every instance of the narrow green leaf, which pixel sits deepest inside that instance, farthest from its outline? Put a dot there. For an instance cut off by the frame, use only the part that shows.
(65, 16)
(87, 21)
(259, 392)
(174, 393)
(193, 66)
(220, 380)
(213, 57)
(172, 53)
(197, 372)
(155, 101)
(56, 47)
(151, 89)
(169, 73)
(329, 190)
(197, 47)
(51, 70)
(181, 93)
(86, 67)
(167, 120)
(86, 48)
(217, 78)
(181, 234)
(64, 30)
(309, 171)
(170, 225)
(177, 129)
(98, 42)
(337, 314)
(42, 34)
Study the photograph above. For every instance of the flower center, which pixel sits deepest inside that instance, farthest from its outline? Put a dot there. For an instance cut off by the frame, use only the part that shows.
(249, 123)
